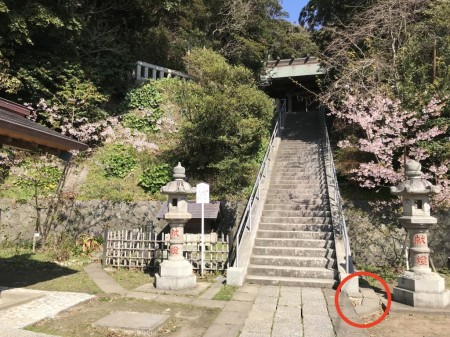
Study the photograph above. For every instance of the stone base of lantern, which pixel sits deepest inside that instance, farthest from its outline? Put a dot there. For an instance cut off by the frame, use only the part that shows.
(422, 290)
(175, 275)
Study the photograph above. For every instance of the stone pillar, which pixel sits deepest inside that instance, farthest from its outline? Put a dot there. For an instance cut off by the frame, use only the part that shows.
(176, 273)
(289, 103)
(418, 287)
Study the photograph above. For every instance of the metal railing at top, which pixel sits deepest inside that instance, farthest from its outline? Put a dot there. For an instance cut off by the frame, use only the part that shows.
(247, 218)
(342, 228)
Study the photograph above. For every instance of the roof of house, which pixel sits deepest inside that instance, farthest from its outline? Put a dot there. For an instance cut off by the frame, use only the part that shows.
(308, 66)
(17, 130)
(211, 210)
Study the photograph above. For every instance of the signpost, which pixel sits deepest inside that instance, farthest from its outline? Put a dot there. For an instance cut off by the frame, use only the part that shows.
(202, 197)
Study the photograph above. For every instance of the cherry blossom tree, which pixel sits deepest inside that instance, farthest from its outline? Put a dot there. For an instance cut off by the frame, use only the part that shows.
(391, 135)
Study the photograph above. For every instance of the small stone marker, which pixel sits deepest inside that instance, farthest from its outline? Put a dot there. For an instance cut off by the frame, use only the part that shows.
(129, 320)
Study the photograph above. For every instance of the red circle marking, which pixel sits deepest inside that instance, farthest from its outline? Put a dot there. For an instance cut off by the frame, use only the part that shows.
(388, 305)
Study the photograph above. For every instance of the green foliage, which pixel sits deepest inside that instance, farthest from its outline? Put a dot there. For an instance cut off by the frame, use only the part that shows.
(119, 161)
(36, 176)
(146, 96)
(227, 119)
(154, 177)
(147, 122)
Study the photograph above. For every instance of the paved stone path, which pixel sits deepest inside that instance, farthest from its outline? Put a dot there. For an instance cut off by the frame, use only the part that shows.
(49, 305)
(254, 311)
(272, 311)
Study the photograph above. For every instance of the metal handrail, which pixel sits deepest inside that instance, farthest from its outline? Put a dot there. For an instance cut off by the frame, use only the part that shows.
(342, 228)
(247, 216)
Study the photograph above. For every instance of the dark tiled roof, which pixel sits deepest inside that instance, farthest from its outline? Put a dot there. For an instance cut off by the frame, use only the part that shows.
(16, 126)
(211, 210)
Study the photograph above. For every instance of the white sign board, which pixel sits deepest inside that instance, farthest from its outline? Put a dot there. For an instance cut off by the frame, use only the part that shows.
(202, 196)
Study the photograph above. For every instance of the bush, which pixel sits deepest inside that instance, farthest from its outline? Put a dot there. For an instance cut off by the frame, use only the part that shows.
(227, 122)
(146, 96)
(148, 122)
(119, 161)
(154, 177)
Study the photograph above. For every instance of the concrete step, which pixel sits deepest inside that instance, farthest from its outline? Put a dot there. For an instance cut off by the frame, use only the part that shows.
(291, 281)
(296, 186)
(291, 251)
(287, 242)
(287, 199)
(305, 198)
(299, 177)
(287, 182)
(296, 157)
(295, 213)
(292, 175)
(274, 190)
(292, 261)
(297, 207)
(283, 271)
(297, 170)
(307, 235)
(295, 227)
(293, 194)
(296, 220)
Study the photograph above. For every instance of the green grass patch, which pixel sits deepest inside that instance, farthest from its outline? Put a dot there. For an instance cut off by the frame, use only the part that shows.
(130, 279)
(100, 185)
(225, 293)
(20, 268)
(386, 273)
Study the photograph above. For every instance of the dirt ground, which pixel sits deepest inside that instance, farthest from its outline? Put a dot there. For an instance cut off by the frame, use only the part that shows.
(404, 324)
(185, 321)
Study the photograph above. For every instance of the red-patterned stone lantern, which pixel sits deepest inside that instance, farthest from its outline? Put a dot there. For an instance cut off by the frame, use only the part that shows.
(176, 272)
(419, 286)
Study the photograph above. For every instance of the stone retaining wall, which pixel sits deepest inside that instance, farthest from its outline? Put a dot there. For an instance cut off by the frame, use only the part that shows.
(18, 220)
(377, 239)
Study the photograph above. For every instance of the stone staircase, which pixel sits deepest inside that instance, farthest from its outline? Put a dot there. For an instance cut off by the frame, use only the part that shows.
(294, 244)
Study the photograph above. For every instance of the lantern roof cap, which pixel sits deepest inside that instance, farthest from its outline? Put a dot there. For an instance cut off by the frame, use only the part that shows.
(414, 184)
(179, 185)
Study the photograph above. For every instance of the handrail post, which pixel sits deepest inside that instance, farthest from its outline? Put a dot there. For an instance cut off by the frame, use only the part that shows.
(138, 71)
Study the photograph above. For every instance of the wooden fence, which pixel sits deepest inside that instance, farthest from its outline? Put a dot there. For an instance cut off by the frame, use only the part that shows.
(136, 249)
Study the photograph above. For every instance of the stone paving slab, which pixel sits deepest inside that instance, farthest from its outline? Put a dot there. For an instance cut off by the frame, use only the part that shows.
(47, 306)
(317, 326)
(7, 332)
(129, 320)
(11, 298)
(287, 330)
(288, 315)
(105, 282)
(242, 307)
(292, 300)
(213, 289)
(150, 288)
(223, 330)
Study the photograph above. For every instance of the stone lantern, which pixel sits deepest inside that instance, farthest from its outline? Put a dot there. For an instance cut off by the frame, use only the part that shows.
(176, 272)
(419, 287)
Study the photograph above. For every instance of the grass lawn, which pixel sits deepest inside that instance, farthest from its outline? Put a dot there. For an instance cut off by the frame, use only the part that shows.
(21, 268)
(130, 279)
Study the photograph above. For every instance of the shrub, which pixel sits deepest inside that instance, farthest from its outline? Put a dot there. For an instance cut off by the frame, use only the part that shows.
(227, 122)
(146, 96)
(154, 177)
(119, 161)
(148, 122)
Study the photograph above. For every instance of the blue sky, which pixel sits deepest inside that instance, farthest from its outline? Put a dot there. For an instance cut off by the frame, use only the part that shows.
(293, 7)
